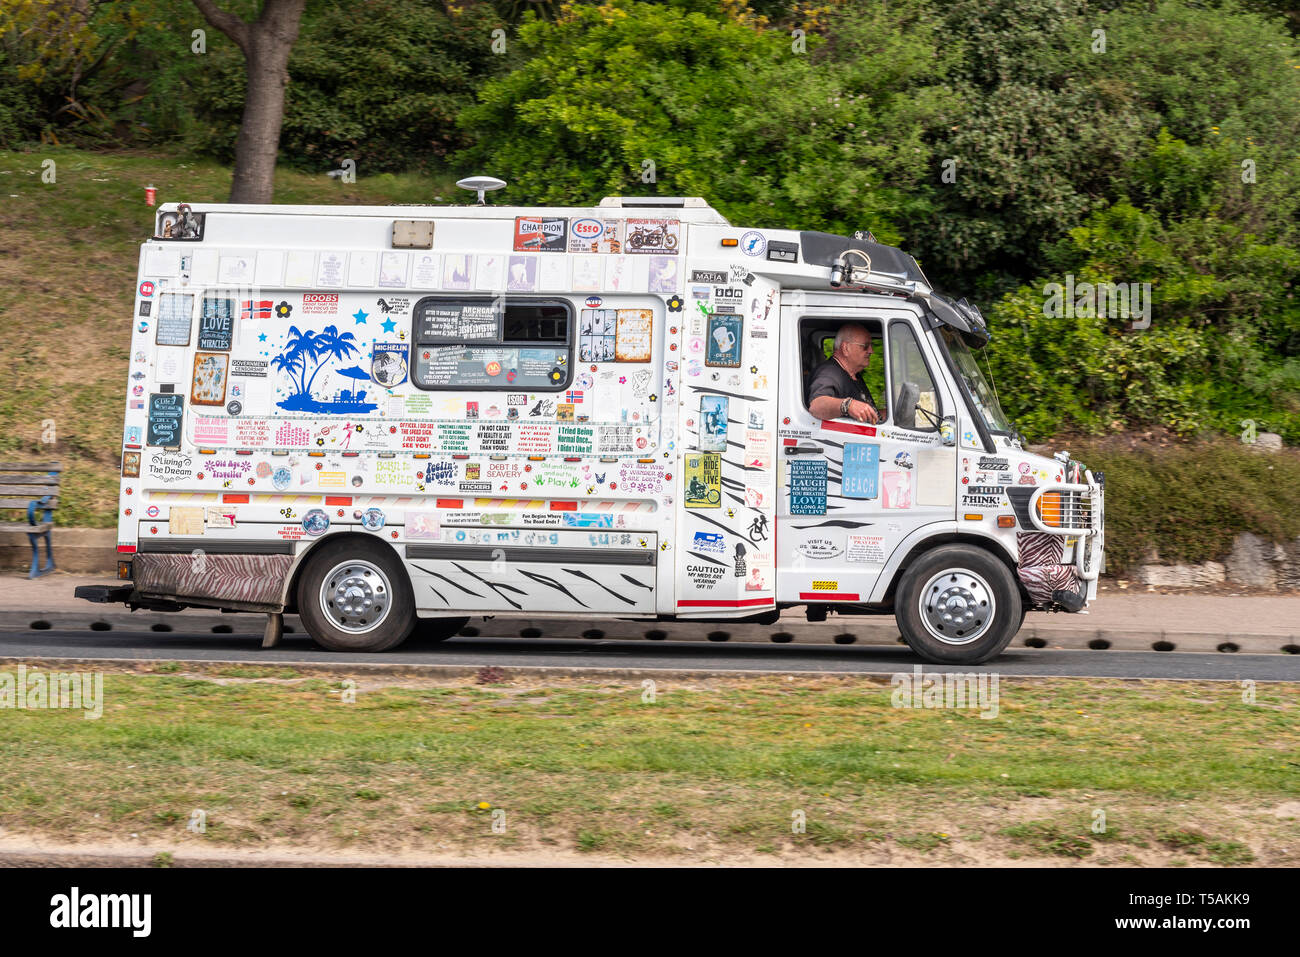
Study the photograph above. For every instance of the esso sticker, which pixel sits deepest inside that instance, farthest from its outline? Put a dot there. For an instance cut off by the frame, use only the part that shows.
(146, 289)
(588, 228)
(593, 302)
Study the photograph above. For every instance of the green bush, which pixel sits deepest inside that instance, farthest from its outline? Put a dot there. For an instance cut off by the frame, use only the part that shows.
(1188, 502)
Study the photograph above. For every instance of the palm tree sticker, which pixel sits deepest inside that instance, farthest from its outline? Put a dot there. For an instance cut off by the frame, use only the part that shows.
(305, 355)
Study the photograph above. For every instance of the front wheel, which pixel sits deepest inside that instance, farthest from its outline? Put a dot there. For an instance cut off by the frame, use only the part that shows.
(958, 604)
(353, 595)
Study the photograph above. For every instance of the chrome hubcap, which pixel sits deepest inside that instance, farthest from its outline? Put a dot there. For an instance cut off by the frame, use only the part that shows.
(957, 606)
(355, 596)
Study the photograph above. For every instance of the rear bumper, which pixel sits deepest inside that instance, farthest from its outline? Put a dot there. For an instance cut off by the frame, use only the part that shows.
(105, 594)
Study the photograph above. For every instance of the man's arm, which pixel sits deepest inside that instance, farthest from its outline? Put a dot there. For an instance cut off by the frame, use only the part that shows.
(826, 403)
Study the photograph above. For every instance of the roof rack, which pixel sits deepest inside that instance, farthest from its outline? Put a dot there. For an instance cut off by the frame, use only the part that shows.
(655, 202)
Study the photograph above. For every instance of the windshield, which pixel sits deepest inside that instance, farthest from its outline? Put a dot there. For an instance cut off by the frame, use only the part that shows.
(986, 400)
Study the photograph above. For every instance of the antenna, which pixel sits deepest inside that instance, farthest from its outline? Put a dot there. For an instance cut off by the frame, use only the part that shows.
(481, 185)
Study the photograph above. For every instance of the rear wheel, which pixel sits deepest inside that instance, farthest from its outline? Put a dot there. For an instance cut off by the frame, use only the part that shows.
(354, 595)
(958, 604)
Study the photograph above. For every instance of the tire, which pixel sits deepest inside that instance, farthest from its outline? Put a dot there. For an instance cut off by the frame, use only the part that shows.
(979, 614)
(437, 629)
(354, 595)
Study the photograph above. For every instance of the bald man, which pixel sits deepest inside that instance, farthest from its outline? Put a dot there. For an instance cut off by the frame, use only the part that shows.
(837, 390)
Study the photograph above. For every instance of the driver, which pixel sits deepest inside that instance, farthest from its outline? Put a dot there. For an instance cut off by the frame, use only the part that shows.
(837, 390)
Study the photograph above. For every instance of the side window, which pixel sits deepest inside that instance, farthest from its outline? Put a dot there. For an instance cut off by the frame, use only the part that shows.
(823, 344)
(482, 343)
(913, 386)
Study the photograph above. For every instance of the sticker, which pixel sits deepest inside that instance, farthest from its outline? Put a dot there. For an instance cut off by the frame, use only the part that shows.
(707, 275)
(652, 236)
(423, 526)
(388, 365)
(281, 478)
(218, 517)
(209, 384)
(992, 463)
(723, 344)
(521, 274)
(146, 289)
(713, 423)
(185, 521)
(166, 412)
(808, 488)
(897, 488)
(825, 586)
(709, 543)
(320, 304)
(590, 235)
(372, 519)
(216, 324)
(903, 460)
(315, 522)
(758, 449)
(539, 234)
(866, 548)
(702, 481)
(819, 548)
(861, 470)
(130, 464)
(753, 243)
(633, 334)
(979, 500)
(663, 274)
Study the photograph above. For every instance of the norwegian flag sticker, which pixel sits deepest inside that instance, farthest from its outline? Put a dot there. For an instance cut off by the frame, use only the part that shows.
(261, 309)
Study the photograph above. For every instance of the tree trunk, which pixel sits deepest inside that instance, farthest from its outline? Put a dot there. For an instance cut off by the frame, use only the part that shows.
(266, 43)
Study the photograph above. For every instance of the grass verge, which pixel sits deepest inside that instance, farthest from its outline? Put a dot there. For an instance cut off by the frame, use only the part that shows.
(731, 769)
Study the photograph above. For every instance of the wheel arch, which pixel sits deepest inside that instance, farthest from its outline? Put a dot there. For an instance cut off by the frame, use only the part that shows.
(987, 542)
(289, 596)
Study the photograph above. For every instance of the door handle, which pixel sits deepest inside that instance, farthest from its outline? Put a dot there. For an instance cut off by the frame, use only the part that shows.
(803, 450)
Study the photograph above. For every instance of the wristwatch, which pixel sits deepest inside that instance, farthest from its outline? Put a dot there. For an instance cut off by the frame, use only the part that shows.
(844, 406)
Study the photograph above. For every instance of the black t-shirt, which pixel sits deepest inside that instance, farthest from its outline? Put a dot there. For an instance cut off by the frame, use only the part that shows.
(831, 379)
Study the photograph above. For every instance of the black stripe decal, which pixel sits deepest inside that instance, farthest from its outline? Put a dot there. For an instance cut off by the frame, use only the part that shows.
(622, 598)
(212, 546)
(489, 553)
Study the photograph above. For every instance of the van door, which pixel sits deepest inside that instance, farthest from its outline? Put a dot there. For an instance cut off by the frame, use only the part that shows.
(852, 492)
(726, 559)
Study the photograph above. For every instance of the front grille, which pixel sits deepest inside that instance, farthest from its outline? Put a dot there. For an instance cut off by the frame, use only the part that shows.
(1065, 509)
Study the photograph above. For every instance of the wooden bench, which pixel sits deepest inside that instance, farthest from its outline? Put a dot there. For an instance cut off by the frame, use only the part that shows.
(33, 491)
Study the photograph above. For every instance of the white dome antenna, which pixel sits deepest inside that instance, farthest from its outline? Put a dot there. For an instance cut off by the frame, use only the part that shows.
(481, 185)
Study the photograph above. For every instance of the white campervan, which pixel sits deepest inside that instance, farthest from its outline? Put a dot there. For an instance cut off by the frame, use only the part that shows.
(395, 418)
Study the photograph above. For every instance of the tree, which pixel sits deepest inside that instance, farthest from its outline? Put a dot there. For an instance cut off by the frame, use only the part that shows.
(266, 44)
